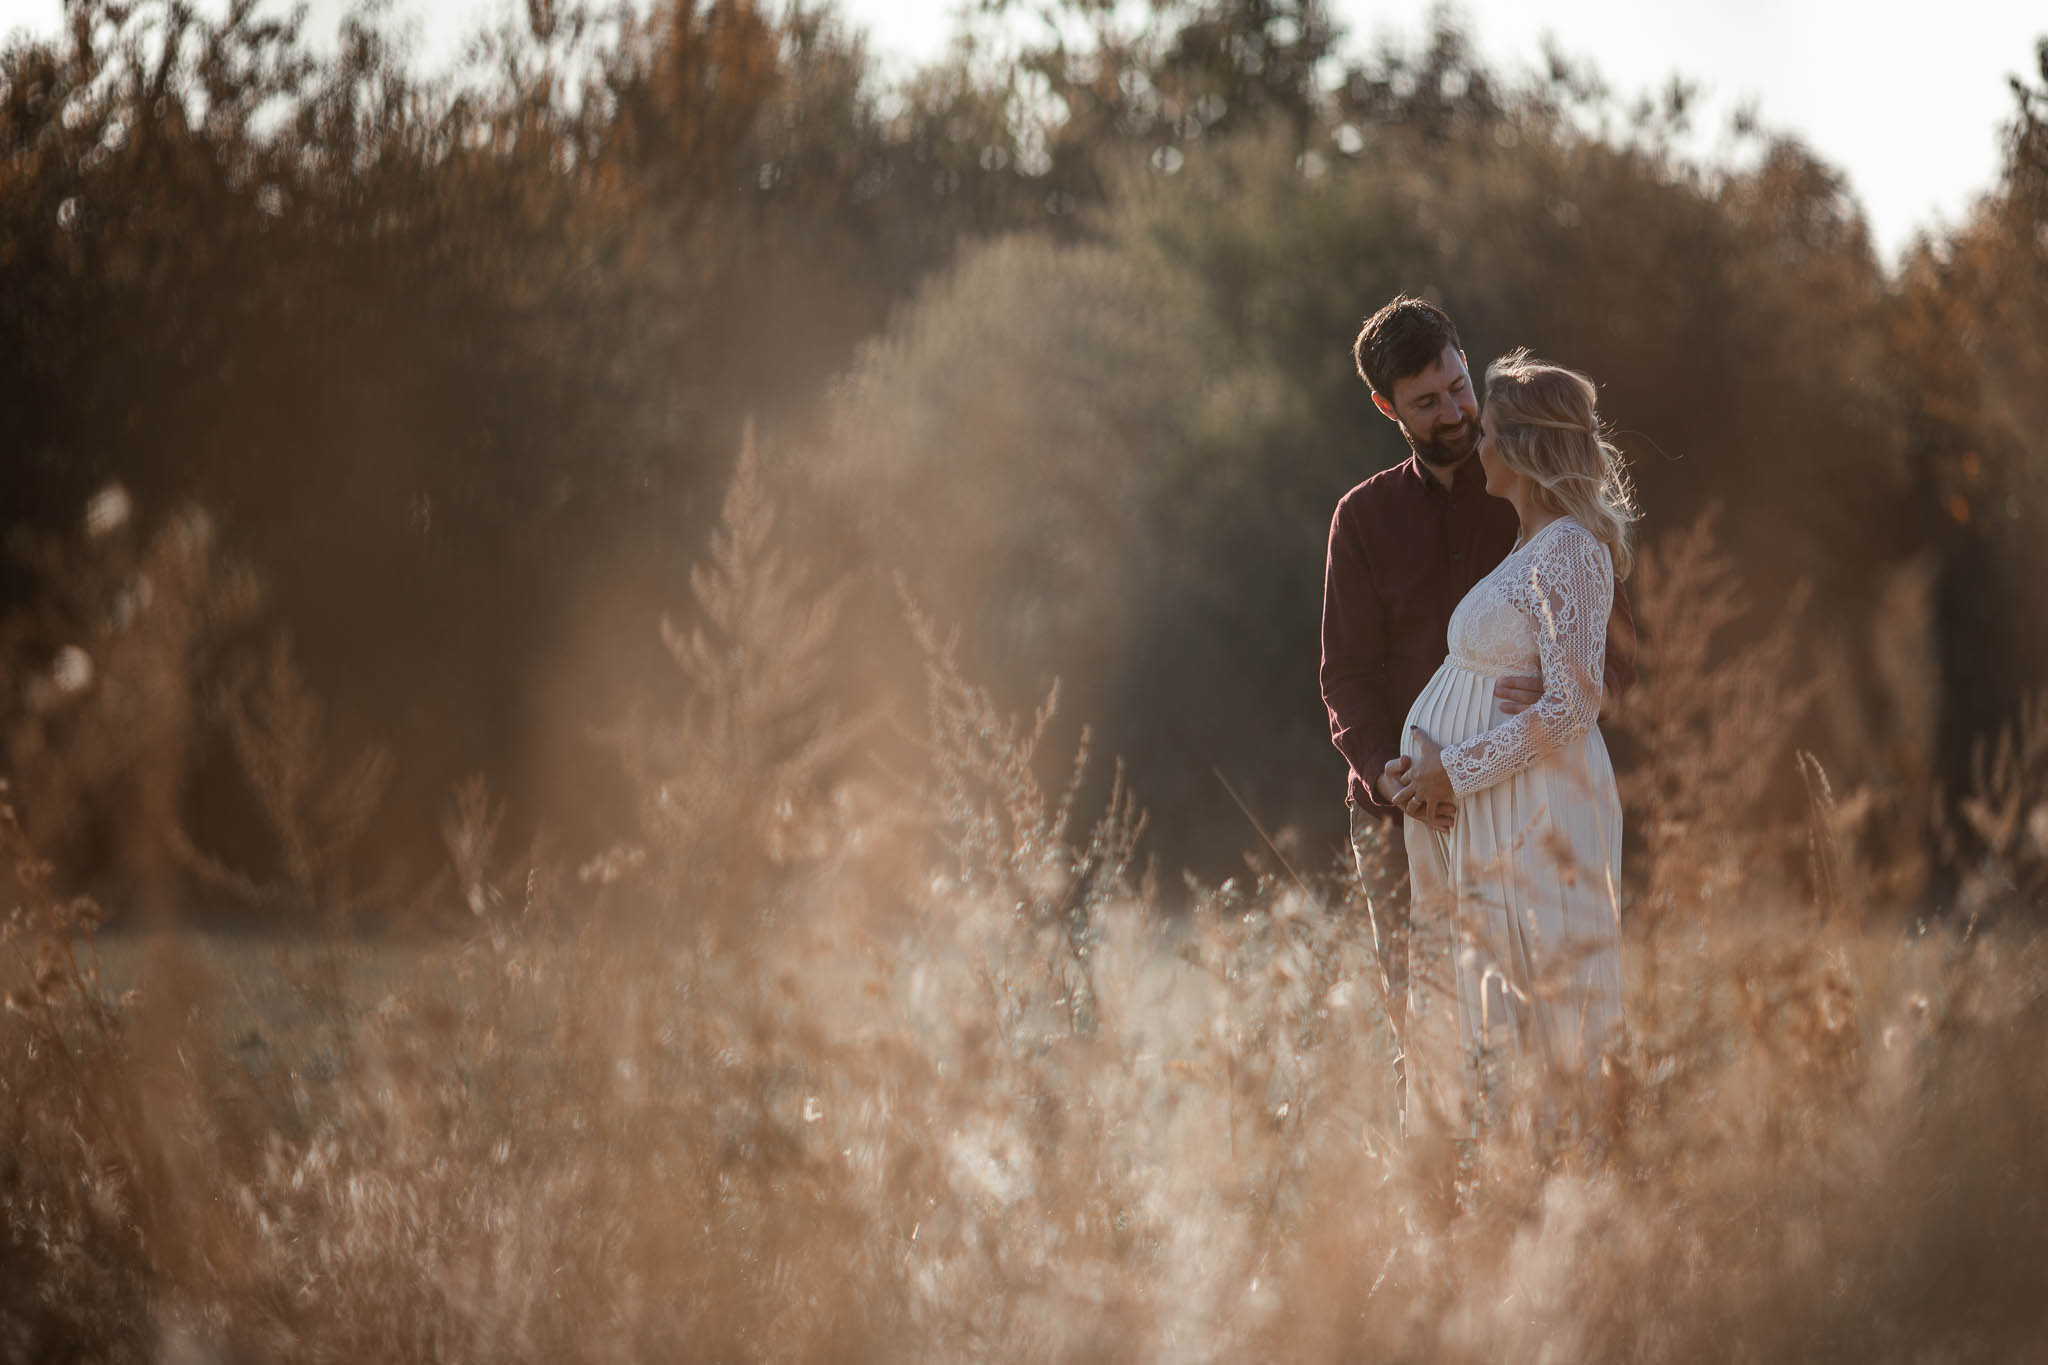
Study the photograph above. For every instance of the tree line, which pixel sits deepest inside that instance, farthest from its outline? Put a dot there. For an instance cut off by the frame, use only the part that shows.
(457, 368)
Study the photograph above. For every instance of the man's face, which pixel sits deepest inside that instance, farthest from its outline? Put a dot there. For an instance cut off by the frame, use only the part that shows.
(1437, 410)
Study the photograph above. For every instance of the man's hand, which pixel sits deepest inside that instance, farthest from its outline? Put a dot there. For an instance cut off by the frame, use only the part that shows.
(1441, 816)
(1517, 693)
(1393, 787)
(1392, 778)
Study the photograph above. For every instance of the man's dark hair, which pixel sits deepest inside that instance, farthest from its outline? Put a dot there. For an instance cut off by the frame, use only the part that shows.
(1401, 339)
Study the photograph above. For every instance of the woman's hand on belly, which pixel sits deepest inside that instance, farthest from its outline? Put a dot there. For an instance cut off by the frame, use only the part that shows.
(1393, 781)
(1425, 792)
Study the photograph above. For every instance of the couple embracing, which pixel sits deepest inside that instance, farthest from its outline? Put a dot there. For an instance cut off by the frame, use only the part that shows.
(1471, 629)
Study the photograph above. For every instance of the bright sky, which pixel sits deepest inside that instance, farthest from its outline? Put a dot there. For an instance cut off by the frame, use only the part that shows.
(1906, 96)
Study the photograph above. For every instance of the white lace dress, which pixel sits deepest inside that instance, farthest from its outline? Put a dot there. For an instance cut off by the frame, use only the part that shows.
(1516, 946)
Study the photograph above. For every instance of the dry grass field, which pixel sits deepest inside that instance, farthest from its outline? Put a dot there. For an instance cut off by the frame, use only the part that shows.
(900, 1140)
(823, 1066)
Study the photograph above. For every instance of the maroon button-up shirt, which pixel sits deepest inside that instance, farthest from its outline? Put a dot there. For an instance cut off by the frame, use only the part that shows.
(1404, 551)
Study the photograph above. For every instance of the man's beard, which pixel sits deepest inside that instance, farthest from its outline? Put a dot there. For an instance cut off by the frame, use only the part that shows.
(1441, 452)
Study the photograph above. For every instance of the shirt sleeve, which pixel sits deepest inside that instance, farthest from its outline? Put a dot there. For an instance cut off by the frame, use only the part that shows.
(1354, 668)
(1568, 594)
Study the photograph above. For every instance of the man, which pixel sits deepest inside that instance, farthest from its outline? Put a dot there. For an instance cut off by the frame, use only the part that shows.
(1405, 546)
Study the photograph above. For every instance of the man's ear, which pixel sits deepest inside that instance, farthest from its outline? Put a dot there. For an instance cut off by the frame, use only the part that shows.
(1379, 400)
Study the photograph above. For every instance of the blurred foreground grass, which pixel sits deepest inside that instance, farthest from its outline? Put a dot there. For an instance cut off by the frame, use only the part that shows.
(838, 1058)
(869, 1142)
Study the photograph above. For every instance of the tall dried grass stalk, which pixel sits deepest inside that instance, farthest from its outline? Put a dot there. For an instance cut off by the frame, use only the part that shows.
(732, 777)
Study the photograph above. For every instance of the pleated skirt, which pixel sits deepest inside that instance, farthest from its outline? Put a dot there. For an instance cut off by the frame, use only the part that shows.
(1515, 948)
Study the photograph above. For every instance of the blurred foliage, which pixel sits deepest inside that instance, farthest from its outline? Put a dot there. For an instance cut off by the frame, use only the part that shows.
(1058, 325)
(1970, 344)
(1178, 396)
(459, 363)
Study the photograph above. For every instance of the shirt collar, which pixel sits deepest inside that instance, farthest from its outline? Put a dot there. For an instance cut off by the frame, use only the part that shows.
(1468, 477)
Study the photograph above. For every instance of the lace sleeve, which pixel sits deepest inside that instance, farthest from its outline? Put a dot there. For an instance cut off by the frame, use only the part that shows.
(1568, 592)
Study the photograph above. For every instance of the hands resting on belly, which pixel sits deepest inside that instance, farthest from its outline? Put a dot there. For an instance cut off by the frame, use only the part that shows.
(1419, 787)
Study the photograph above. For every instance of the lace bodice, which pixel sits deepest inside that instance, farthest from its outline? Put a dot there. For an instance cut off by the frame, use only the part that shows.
(1543, 609)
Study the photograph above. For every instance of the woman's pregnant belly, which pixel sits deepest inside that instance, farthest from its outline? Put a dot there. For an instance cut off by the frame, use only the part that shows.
(1456, 704)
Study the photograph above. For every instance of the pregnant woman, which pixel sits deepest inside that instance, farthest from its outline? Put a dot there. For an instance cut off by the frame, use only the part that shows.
(1517, 947)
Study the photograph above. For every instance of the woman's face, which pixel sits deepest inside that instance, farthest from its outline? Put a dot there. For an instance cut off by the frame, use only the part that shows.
(1500, 480)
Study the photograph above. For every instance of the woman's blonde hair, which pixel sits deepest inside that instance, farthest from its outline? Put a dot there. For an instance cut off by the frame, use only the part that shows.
(1546, 427)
